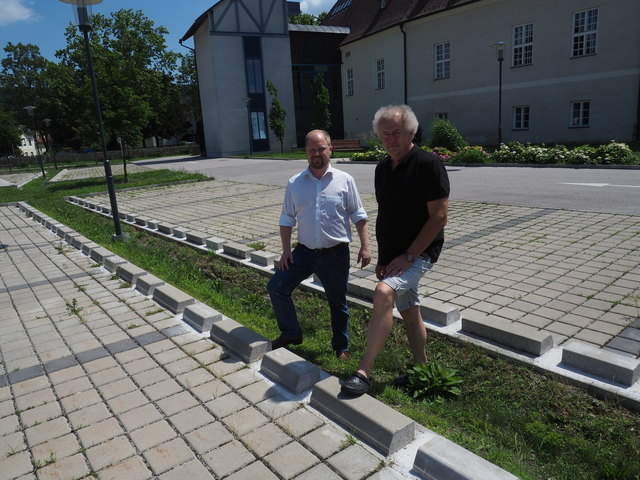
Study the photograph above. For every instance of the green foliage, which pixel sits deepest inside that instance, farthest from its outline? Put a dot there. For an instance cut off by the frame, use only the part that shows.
(277, 115)
(321, 113)
(433, 380)
(375, 154)
(445, 134)
(611, 153)
(304, 19)
(470, 154)
(10, 139)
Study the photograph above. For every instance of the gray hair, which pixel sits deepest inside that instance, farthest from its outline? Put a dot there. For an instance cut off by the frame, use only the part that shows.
(409, 120)
(324, 133)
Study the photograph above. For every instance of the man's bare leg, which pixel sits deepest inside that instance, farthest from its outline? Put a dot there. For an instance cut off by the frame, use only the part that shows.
(416, 333)
(379, 326)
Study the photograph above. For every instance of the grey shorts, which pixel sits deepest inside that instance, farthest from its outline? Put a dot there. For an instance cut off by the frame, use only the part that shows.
(406, 285)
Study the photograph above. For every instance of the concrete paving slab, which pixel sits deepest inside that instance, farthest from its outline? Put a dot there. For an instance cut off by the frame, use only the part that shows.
(603, 363)
(290, 370)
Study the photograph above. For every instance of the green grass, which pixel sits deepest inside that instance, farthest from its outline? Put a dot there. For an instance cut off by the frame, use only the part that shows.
(533, 425)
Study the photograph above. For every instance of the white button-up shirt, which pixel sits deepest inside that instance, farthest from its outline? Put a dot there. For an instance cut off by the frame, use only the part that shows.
(322, 207)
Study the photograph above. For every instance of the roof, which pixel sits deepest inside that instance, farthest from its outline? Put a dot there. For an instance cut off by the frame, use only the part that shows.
(196, 25)
(294, 27)
(366, 17)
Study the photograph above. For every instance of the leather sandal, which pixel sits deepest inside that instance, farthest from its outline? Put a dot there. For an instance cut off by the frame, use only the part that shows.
(356, 385)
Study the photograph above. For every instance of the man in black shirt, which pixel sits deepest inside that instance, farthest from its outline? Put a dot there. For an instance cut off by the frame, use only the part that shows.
(412, 190)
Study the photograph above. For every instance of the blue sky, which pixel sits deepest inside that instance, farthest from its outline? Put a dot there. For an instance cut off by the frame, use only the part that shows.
(42, 22)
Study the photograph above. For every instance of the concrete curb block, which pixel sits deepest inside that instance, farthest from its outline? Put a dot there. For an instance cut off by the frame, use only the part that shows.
(179, 232)
(441, 459)
(237, 249)
(112, 263)
(603, 363)
(129, 272)
(362, 287)
(165, 228)
(290, 370)
(264, 259)
(372, 421)
(201, 317)
(172, 298)
(197, 238)
(438, 312)
(519, 337)
(99, 254)
(147, 283)
(242, 341)
(215, 243)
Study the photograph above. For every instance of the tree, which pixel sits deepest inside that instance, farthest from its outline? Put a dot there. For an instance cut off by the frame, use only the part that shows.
(277, 115)
(134, 71)
(321, 113)
(304, 19)
(10, 139)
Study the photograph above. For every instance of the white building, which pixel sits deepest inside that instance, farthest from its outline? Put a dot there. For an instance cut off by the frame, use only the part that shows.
(570, 74)
(240, 45)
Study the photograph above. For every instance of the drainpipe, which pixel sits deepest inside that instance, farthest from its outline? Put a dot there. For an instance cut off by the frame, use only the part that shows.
(404, 59)
(637, 132)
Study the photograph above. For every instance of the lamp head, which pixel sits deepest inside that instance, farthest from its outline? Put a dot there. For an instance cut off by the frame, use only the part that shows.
(82, 11)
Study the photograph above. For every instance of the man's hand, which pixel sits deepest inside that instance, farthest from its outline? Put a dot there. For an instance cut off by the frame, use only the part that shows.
(380, 272)
(285, 260)
(398, 266)
(364, 257)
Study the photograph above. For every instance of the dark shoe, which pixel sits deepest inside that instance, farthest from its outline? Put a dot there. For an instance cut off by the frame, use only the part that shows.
(285, 342)
(356, 385)
(344, 355)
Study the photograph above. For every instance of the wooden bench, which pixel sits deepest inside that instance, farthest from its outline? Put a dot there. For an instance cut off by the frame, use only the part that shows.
(344, 145)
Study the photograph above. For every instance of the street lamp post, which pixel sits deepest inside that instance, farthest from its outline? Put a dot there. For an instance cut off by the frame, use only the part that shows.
(48, 143)
(30, 109)
(84, 18)
(500, 47)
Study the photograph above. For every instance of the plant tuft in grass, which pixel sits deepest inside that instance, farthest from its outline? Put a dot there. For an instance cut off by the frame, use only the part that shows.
(433, 380)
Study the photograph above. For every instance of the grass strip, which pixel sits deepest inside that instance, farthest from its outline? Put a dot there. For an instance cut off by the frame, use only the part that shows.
(532, 425)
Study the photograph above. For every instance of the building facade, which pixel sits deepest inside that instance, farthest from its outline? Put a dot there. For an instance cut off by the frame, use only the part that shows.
(240, 45)
(570, 70)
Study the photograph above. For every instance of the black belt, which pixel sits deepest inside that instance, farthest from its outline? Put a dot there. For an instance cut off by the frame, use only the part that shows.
(323, 251)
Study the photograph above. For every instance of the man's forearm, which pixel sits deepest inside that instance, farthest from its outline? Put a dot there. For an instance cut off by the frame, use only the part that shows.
(363, 233)
(285, 237)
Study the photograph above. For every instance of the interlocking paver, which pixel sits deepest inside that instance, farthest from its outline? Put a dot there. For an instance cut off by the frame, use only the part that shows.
(291, 460)
(110, 452)
(168, 455)
(209, 437)
(266, 439)
(354, 462)
(189, 420)
(244, 421)
(152, 435)
(46, 431)
(228, 458)
(58, 448)
(70, 467)
(140, 416)
(132, 469)
(99, 432)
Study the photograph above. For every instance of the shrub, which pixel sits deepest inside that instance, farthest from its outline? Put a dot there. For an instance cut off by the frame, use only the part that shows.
(376, 154)
(443, 153)
(616, 153)
(445, 134)
(471, 155)
(433, 380)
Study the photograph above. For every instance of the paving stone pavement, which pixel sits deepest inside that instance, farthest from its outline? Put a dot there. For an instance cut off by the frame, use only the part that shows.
(574, 275)
(95, 172)
(17, 179)
(97, 380)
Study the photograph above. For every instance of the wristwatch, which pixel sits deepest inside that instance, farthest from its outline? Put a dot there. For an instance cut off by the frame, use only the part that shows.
(410, 257)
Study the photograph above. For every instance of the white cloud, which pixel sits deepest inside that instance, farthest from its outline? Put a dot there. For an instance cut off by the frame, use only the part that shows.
(12, 11)
(314, 6)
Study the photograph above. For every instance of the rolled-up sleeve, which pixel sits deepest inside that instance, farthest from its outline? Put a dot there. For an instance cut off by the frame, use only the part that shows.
(354, 203)
(288, 215)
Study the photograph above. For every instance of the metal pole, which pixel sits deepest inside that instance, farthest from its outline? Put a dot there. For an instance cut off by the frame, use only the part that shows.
(35, 139)
(500, 59)
(107, 165)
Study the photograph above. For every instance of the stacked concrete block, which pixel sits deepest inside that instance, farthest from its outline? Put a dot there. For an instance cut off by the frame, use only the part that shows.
(441, 459)
(290, 370)
(129, 272)
(264, 259)
(241, 340)
(201, 317)
(197, 238)
(147, 283)
(171, 298)
(516, 336)
(378, 425)
(438, 312)
(215, 243)
(236, 249)
(602, 363)
(179, 232)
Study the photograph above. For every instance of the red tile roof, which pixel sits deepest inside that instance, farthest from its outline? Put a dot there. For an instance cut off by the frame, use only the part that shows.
(366, 17)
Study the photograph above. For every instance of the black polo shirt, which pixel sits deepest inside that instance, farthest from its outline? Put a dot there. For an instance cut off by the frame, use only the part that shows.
(402, 194)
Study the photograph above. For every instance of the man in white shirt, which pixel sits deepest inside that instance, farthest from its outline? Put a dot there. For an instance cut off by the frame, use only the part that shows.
(323, 201)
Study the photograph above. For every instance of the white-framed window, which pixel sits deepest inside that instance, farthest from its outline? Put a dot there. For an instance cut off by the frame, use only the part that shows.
(379, 73)
(442, 115)
(580, 114)
(522, 51)
(349, 75)
(585, 32)
(442, 58)
(521, 117)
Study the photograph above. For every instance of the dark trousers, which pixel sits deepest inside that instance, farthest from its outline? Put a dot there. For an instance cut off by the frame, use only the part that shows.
(332, 268)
